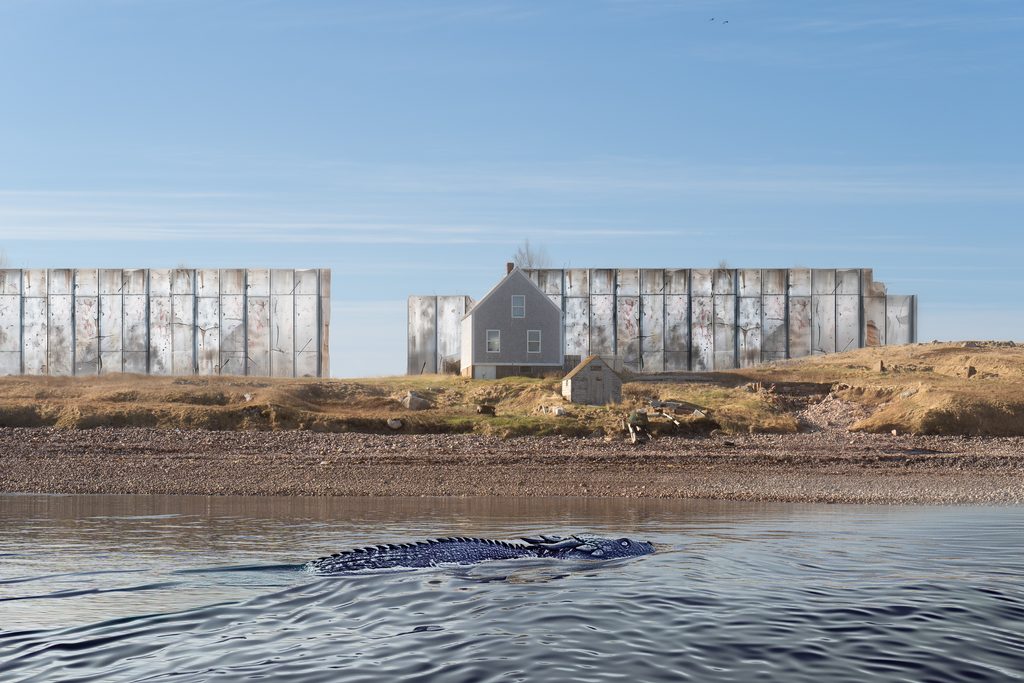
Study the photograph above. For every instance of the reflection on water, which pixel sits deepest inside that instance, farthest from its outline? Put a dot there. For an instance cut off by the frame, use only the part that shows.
(160, 587)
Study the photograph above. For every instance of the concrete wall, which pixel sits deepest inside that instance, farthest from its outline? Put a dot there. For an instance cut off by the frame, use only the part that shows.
(435, 333)
(670, 320)
(165, 322)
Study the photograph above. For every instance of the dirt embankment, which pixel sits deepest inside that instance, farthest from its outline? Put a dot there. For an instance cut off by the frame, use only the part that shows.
(971, 388)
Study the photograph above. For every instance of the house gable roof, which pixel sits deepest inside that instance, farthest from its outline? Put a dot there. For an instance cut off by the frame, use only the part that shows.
(516, 272)
(584, 363)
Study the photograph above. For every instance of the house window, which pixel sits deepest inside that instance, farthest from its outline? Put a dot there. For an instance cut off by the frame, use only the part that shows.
(493, 341)
(518, 305)
(533, 341)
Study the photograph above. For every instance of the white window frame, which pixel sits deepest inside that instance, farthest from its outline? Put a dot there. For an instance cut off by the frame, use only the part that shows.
(521, 307)
(497, 341)
(529, 341)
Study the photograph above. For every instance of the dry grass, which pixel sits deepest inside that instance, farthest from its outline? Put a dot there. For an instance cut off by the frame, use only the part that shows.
(924, 389)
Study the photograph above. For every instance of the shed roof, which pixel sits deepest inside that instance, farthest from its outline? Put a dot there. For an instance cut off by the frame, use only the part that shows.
(587, 361)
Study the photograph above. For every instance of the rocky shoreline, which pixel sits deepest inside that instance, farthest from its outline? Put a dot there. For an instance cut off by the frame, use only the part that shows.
(826, 466)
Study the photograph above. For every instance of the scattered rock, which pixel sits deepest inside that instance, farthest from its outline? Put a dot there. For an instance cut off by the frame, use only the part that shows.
(247, 397)
(880, 366)
(971, 371)
(908, 393)
(395, 423)
(415, 401)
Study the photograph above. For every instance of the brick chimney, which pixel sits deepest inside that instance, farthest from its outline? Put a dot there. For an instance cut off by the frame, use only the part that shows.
(509, 267)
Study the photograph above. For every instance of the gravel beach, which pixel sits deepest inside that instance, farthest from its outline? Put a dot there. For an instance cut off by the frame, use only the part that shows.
(830, 465)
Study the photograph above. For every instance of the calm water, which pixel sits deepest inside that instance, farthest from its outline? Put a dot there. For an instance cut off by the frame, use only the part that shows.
(154, 588)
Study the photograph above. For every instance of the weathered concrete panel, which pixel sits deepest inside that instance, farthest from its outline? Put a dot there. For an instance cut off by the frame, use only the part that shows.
(33, 282)
(10, 282)
(33, 333)
(207, 328)
(848, 281)
(87, 334)
(232, 333)
(677, 281)
(823, 281)
(773, 281)
(257, 281)
(602, 281)
(135, 281)
(749, 330)
(799, 282)
(577, 282)
(799, 325)
(208, 283)
(111, 282)
(677, 332)
(325, 322)
(823, 324)
(86, 282)
(652, 332)
(160, 282)
(450, 311)
(111, 323)
(702, 282)
(627, 281)
(868, 286)
(10, 326)
(873, 330)
(183, 281)
(550, 282)
(257, 335)
(602, 324)
(627, 331)
(282, 282)
(422, 335)
(282, 335)
(135, 326)
(899, 319)
(306, 282)
(10, 332)
(749, 282)
(577, 326)
(773, 327)
(725, 281)
(61, 281)
(306, 325)
(848, 322)
(183, 328)
(161, 333)
(725, 331)
(702, 331)
(60, 330)
(652, 281)
(232, 281)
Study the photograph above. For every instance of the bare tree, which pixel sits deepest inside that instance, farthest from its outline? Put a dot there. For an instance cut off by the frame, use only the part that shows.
(529, 257)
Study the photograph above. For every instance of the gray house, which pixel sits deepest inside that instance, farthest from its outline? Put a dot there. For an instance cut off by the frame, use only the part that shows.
(514, 330)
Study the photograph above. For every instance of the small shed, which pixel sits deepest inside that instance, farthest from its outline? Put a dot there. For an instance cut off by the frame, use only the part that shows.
(592, 382)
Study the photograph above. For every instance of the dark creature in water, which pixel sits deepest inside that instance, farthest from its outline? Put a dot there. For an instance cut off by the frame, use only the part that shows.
(473, 550)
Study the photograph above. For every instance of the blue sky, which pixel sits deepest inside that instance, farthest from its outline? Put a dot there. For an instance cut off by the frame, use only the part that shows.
(410, 146)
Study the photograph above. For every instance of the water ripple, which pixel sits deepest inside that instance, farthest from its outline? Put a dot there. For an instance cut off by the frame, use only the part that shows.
(737, 593)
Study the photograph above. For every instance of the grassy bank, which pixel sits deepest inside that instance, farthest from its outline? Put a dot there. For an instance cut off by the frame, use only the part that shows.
(972, 389)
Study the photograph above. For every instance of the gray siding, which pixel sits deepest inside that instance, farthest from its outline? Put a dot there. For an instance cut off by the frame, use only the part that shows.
(494, 312)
